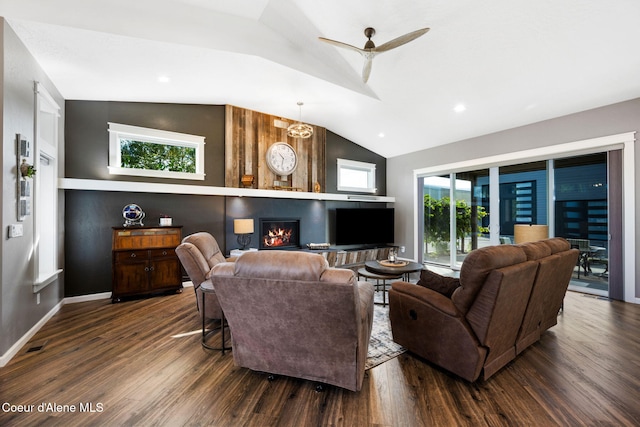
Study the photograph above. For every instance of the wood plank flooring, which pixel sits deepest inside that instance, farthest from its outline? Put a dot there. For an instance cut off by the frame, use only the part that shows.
(136, 364)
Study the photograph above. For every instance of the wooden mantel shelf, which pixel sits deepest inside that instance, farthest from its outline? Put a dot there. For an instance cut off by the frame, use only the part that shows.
(202, 190)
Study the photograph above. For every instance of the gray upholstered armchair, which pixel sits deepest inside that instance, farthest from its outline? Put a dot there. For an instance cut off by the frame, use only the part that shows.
(291, 314)
(199, 253)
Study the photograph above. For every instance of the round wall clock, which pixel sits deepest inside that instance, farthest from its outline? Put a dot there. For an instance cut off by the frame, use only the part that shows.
(282, 158)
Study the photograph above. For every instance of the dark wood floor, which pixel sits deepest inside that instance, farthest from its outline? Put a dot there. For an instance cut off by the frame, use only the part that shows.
(135, 363)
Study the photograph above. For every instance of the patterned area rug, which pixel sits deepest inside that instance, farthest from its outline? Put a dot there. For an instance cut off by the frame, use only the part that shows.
(381, 345)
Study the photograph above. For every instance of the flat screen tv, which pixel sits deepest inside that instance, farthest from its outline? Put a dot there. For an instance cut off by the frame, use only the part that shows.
(364, 226)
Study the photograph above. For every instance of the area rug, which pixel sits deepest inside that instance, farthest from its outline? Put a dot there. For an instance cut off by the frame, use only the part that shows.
(381, 345)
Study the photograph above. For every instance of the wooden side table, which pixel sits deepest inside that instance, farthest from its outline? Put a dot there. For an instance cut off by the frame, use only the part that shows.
(207, 288)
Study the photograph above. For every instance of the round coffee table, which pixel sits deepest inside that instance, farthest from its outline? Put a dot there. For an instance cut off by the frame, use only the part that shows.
(405, 270)
(363, 272)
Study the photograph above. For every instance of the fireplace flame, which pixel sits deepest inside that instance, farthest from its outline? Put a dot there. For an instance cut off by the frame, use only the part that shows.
(278, 237)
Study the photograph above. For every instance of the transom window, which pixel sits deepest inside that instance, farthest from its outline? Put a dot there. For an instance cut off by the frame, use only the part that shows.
(356, 176)
(157, 153)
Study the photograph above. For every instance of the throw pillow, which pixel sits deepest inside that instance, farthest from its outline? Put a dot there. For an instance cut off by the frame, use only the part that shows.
(441, 284)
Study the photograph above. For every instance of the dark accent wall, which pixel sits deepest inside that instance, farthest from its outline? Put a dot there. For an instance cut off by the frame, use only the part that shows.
(87, 136)
(317, 217)
(341, 148)
(312, 215)
(90, 216)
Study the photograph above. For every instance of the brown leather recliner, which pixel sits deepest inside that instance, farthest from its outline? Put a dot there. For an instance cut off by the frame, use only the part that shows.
(199, 253)
(473, 331)
(291, 314)
(556, 262)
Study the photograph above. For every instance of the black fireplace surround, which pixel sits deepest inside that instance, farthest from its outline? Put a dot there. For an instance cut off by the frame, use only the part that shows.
(279, 233)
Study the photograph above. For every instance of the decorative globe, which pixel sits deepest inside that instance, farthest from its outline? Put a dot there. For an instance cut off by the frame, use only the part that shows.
(132, 214)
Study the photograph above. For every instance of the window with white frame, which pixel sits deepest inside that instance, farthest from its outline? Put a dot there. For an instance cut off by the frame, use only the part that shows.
(356, 176)
(45, 236)
(139, 151)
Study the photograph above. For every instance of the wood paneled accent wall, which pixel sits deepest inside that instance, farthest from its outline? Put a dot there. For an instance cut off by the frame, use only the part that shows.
(248, 136)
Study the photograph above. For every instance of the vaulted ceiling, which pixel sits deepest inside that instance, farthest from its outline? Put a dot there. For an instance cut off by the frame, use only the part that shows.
(509, 62)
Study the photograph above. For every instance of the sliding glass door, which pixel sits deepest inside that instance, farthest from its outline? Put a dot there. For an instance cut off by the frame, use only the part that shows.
(472, 212)
(437, 219)
(523, 197)
(454, 205)
(581, 216)
(570, 195)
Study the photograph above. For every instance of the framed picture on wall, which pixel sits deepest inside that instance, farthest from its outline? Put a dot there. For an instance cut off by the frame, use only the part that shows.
(24, 146)
(25, 207)
(25, 188)
(24, 175)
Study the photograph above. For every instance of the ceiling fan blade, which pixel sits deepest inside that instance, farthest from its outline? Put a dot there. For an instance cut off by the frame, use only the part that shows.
(400, 40)
(366, 68)
(343, 45)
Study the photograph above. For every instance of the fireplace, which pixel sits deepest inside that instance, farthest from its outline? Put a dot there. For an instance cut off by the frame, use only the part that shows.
(279, 233)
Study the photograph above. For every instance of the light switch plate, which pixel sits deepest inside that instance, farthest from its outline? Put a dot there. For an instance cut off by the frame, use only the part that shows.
(15, 230)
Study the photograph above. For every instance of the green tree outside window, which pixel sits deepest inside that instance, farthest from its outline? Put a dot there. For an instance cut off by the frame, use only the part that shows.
(436, 221)
(150, 156)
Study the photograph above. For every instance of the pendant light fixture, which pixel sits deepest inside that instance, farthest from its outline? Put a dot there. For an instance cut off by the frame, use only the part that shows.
(299, 129)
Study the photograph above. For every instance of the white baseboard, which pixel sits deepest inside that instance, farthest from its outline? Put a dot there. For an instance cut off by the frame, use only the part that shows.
(15, 348)
(85, 298)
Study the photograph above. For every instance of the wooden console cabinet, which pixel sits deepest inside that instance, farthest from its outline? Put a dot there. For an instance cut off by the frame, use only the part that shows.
(144, 261)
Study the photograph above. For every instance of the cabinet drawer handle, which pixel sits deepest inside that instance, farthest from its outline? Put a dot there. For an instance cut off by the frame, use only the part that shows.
(146, 269)
(133, 255)
(164, 252)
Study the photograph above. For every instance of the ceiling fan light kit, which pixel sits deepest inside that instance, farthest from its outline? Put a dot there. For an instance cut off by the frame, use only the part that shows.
(299, 129)
(370, 50)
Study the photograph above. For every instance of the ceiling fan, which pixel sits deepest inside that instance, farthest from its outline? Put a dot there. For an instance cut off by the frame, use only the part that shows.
(370, 50)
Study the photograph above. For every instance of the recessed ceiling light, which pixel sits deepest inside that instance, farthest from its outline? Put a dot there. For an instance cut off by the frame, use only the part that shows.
(381, 135)
(163, 79)
(459, 108)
